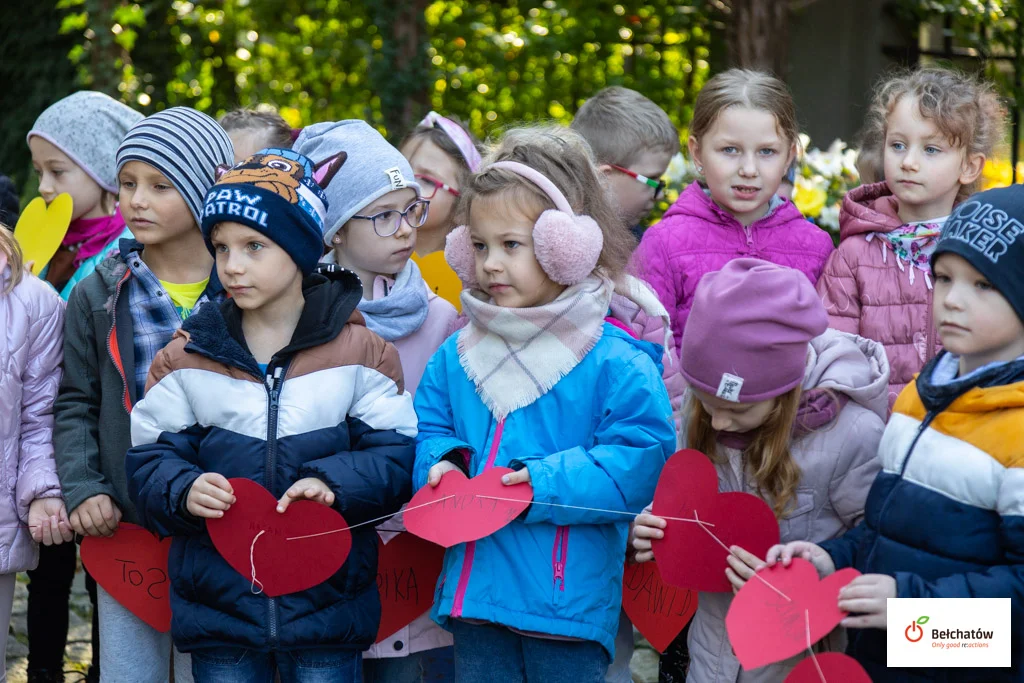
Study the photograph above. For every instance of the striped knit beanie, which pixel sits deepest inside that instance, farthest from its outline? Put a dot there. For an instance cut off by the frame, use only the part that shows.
(183, 144)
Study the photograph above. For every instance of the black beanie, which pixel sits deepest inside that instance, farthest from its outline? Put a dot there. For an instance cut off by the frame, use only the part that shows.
(9, 202)
(987, 230)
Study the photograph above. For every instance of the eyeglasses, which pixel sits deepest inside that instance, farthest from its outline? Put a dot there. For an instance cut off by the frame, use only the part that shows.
(386, 223)
(431, 185)
(657, 185)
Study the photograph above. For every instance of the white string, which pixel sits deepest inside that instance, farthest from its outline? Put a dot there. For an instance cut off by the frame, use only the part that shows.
(807, 625)
(580, 507)
(369, 521)
(252, 565)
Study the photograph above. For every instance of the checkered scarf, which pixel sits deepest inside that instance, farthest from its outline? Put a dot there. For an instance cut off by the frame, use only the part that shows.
(515, 355)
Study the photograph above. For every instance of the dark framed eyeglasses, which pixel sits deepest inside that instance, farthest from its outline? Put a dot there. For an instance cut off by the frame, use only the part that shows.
(386, 223)
(430, 185)
(657, 185)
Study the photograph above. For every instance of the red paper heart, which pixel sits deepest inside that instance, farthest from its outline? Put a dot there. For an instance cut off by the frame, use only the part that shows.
(764, 627)
(659, 611)
(281, 566)
(465, 509)
(407, 571)
(131, 566)
(835, 666)
(688, 555)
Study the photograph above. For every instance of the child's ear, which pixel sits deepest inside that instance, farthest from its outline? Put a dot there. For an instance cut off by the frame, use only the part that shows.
(324, 171)
(972, 168)
(221, 170)
(694, 147)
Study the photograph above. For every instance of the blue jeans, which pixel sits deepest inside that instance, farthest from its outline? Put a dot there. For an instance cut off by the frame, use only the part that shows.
(239, 665)
(486, 652)
(428, 666)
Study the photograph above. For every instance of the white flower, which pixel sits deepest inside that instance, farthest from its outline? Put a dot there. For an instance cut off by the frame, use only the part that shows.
(829, 217)
(679, 168)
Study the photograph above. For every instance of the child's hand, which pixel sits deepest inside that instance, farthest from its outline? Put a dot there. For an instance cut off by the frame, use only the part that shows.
(645, 527)
(309, 488)
(518, 477)
(866, 595)
(742, 566)
(210, 496)
(96, 516)
(439, 470)
(814, 554)
(48, 521)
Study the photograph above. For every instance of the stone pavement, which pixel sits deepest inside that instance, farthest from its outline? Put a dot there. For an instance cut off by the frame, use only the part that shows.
(79, 650)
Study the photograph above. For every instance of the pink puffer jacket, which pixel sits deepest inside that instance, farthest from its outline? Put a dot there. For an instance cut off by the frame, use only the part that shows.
(866, 292)
(696, 236)
(32, 318)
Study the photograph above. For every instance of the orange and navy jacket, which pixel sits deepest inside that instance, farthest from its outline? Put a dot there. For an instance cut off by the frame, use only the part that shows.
(331, 405)
(945, 516)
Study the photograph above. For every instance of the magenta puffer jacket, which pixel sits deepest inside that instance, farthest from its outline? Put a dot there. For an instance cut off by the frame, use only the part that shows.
(866, 292)
(696, 236)
(32, 318)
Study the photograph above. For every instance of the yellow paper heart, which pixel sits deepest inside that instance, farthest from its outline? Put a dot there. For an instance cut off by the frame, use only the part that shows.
(440, 277)
(41, 229)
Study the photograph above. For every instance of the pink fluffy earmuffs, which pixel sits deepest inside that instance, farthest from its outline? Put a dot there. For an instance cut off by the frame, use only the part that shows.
(566, 245)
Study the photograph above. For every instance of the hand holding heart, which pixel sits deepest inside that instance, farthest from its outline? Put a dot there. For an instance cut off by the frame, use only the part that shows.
(867, 596)
(645, 528)
(210, 496)
(742, 566)
(805, 550)
(309, 488)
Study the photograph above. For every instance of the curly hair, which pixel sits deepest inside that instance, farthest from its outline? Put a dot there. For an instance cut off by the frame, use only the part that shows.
(965, 109)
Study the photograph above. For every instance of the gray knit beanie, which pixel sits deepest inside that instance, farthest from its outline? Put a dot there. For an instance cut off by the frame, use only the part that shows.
(373, 168)
(87, 126)
(186, 146)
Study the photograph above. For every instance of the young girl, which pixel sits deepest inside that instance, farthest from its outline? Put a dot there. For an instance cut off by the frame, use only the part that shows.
(251, 130)
(743, 138)
(443, 154)
(73, 144)
(938, 126)
(538, 382)
(32, 316)
(798, 424)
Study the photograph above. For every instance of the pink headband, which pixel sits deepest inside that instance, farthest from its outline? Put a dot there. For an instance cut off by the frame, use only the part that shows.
(458, 135)
(538, 179)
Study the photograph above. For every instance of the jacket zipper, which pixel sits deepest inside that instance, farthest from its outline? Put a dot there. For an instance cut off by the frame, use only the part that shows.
(929, 351)
(559, 555)
(113, 348)
(273, 383)
(467, 560)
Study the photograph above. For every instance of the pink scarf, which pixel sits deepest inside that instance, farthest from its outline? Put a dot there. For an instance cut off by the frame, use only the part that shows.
(90, 236)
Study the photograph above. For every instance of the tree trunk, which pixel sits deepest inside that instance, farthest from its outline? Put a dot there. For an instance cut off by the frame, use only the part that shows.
(758, 35)
(409, 70)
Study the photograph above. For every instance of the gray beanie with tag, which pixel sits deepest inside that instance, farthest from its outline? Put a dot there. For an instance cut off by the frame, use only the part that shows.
(374, 167)
(88, 126)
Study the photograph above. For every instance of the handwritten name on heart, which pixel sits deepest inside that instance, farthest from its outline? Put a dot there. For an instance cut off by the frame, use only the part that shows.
(252, 537)
(41, 229)
(659, 611)
(835, 667)
(407, 571)
(460, 510)
(765, 627)
(688, 555)
(131, 566)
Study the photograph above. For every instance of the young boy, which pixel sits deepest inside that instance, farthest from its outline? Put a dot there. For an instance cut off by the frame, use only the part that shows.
(118, 318)
(945, 517)
(633, 141)
(282, 384)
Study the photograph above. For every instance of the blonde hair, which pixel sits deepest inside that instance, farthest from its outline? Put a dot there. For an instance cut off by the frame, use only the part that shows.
(564, 157)
(768, 459)
(265, 122)
(444, 142)
(964, 109)
(10, 248)
(745, 88)
(621, 124)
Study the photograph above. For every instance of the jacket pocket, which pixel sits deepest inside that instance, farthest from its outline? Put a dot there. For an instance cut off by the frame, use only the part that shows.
(559, 560)
(796, 526)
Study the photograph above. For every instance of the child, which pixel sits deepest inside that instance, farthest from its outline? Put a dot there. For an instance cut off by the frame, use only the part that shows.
(743, 138)
(396, 304)
(372, 225)
(73, 143)
(633, 142)
(938, 126)
(799, 425)
(540, 383)
(30, 354)
(340, 433)
(118, 318)
(251, 130)
(443, 154)
(952, 448)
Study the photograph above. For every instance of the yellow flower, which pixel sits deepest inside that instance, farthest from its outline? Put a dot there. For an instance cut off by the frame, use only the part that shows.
(999, 173)
(809, 197)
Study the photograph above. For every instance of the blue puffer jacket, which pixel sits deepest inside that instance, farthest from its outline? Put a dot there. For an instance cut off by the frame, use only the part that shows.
(597, 439)
(331, 406)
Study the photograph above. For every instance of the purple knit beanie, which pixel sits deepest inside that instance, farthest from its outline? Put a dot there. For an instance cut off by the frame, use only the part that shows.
(747, 335)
